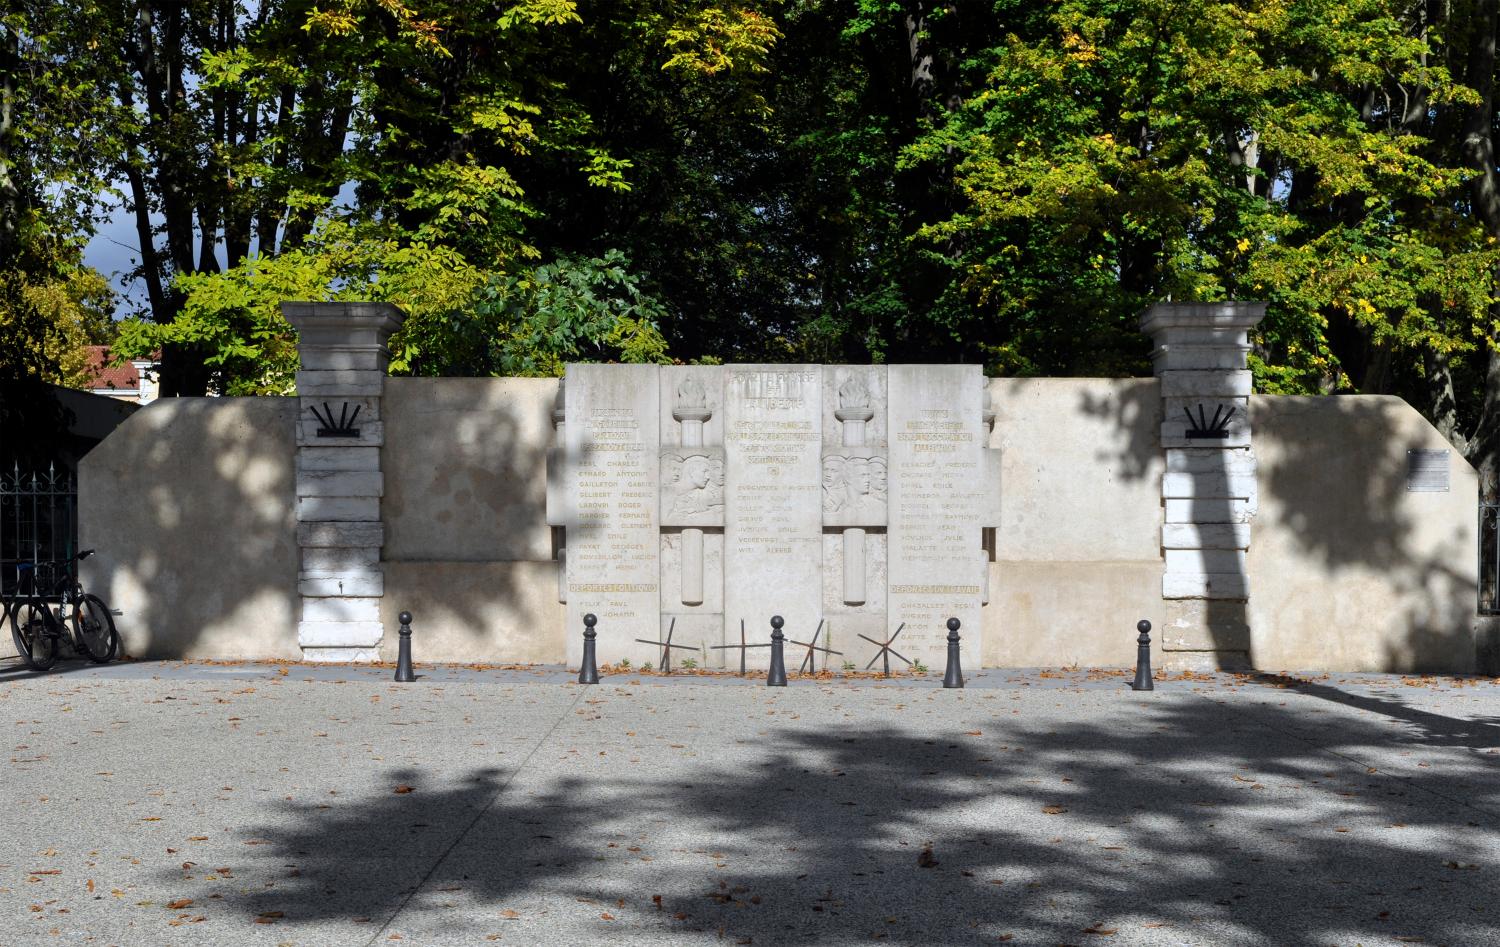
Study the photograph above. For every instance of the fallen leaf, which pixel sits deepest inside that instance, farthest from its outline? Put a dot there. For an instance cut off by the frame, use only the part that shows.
(510, 914)
(1053, 810)
(179, 904)
(403, 790)
(607, 916)
(89, 885)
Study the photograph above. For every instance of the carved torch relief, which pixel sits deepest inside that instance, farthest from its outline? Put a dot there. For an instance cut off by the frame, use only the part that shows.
(854, 484)
(692, 484)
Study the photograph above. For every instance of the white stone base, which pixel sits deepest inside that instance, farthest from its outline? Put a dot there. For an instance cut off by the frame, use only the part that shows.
(1225, 585)
(341, 655)
(1203, 662)
(344, 608)
(341, 583)
(339, 634)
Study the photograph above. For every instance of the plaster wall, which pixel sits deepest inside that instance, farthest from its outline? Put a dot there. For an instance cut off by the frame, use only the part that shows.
(467, 612)
(1349, 571)
(189, 504)
(465, 469)
(1077, 554)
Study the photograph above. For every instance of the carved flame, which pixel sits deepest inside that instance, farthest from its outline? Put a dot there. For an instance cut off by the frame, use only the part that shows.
(853, 393)
(690, 393)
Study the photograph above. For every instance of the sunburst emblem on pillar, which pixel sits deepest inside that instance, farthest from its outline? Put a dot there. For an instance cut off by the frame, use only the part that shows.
(344, 427)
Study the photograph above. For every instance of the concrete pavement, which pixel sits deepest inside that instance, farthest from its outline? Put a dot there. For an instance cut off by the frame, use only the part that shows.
(169, 803)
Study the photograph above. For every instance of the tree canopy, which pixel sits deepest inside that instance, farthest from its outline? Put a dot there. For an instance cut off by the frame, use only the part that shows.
(1007, 182)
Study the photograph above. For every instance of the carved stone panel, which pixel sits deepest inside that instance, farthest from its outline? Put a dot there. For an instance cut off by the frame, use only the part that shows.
(773, 527)
(855, 481)
(692, 486)
(612, 530)
(936, 498)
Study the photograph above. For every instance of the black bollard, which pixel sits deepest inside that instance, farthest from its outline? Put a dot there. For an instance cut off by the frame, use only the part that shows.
(954, 676)
(777, 677)
(1142, 680)
(403, 654)
(589, 672)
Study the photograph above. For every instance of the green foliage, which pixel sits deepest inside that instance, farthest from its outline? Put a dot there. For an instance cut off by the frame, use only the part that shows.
(571, 310)
(999, 181)
(236, 315)
(52, 308)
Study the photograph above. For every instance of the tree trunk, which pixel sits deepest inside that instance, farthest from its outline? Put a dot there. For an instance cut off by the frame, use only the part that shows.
(1478, 145)
(1442, 404)
(1479, 151)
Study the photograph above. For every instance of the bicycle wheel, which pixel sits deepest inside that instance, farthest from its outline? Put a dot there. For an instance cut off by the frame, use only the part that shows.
(93, 625)
(29, 629)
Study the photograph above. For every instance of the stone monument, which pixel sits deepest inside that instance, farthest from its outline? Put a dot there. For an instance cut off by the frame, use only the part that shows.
(698, 497)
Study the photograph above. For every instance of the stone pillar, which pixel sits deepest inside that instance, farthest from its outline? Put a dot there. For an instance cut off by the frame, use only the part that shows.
(1208, 490)
(342, 348)
(691, 410)
(853, 413)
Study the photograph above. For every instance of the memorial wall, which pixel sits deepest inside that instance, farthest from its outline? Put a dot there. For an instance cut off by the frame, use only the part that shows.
(696, 502)
(682, 503)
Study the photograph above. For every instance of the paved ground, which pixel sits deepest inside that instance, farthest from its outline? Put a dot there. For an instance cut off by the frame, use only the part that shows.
(156, 804)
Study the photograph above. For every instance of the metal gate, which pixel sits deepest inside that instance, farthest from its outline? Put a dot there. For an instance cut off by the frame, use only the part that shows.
(38, 518)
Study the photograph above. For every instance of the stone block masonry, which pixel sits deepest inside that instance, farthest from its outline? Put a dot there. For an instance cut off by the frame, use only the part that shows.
(339, 482)
(1209, 487)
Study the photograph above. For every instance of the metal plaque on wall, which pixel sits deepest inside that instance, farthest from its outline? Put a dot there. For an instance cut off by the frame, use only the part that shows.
(1427, 471)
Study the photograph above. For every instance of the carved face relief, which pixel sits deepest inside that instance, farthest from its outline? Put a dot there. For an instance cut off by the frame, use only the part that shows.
(695, 471)
(854, 489)
(858, 472)
(696, 484)
(835, 495)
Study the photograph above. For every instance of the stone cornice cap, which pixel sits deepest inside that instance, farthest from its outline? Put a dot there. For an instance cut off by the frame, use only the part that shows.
(1224, 315)
(369, 320)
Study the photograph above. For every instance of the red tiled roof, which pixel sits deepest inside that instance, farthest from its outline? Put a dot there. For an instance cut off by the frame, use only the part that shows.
(104, 375)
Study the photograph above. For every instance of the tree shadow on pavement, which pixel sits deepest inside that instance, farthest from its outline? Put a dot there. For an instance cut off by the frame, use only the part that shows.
(1431, 728)
(1186, 821)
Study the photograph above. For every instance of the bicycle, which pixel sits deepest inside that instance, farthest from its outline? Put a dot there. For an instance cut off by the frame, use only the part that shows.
(36, 628)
